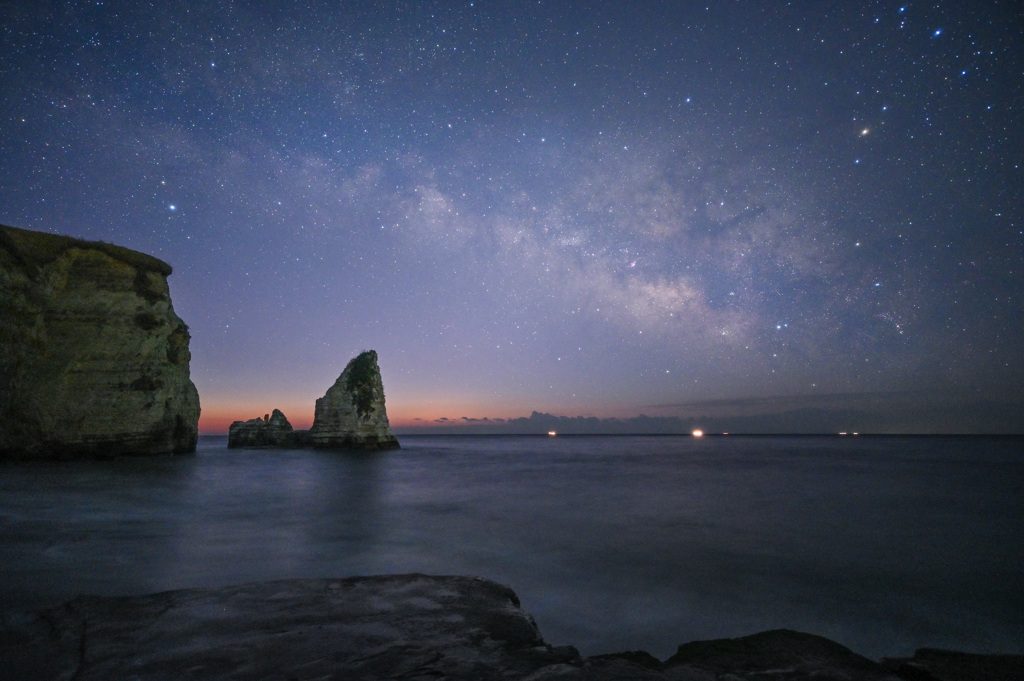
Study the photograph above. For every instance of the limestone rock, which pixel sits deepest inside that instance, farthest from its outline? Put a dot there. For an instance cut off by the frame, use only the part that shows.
(401, 627)
(351, 415)
(272, 430)
(93, 359)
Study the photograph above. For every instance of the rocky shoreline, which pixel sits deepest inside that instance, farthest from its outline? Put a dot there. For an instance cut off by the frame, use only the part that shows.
(402, 627)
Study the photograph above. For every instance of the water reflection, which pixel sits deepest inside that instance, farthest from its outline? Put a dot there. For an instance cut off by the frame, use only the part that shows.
(884, 545)
(273, 514)
(88, 527)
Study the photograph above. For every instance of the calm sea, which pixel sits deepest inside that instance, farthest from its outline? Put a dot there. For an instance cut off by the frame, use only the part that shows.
(612, 543)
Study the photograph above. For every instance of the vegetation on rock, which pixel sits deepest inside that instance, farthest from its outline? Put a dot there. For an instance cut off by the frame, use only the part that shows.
(361, 381)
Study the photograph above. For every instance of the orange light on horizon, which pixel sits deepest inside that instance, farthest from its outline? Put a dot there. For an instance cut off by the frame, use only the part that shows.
(698, 433)
(552, 433)
(215, 419)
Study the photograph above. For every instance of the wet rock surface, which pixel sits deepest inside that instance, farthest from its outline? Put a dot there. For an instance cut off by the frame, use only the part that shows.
(93, 360)
(400, 627)
(409, 626)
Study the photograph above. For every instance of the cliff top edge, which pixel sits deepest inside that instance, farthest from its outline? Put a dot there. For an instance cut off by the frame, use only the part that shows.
(40, 248)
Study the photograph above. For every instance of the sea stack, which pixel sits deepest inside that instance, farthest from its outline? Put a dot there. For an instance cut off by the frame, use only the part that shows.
(351, 415)
(273, 430)
(93, 360)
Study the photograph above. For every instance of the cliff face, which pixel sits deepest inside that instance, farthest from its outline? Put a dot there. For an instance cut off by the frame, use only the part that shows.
(93, 360)
(351, 414)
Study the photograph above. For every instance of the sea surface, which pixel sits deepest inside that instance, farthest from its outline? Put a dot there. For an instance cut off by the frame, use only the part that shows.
(884, 544)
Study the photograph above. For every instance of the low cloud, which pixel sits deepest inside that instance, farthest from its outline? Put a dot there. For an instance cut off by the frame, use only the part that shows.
(896, 413)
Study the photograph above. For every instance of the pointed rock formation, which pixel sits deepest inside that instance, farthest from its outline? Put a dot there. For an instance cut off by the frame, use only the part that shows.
(93, 360)
(351, 415)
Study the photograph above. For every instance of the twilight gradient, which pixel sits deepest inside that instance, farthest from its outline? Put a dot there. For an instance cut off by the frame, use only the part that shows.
(808, 208)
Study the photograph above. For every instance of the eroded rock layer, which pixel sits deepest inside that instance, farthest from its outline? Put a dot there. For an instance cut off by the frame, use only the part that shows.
(93, 359)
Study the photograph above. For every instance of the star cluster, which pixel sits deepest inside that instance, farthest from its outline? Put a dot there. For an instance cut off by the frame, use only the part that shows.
(581, 208)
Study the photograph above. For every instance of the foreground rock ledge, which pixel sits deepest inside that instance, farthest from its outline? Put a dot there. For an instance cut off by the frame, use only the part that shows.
(397, 627)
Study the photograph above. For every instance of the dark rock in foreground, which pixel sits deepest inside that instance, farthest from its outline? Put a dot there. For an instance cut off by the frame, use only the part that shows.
(93, 360)
(358, 628)
(779, 654)
(946, 665)
(396, 627)
(351, 415)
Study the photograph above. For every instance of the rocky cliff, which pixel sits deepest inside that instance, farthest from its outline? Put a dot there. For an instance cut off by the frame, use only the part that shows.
(93, 360)
(403, 627)
(351, 414)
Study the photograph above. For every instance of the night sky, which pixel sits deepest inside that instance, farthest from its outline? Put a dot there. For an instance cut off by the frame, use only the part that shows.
(811, 210)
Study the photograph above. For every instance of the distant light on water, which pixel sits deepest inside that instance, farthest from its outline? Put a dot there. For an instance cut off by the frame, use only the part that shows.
(698, 433)
(552, 433)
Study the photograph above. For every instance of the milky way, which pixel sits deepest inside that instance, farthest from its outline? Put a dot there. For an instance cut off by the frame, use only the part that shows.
(578, 208)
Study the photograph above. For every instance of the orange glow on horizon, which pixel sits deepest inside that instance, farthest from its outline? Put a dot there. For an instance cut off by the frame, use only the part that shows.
(424, 412)
(215, 419)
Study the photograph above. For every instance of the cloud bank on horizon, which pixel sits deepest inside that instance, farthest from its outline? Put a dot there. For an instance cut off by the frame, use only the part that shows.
(581, 210)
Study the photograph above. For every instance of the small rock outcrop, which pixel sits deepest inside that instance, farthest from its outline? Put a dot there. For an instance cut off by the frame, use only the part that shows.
(273, 430)
(93, 360)
(351, 415)
(930, 664)
(788, 654)
(402, 627)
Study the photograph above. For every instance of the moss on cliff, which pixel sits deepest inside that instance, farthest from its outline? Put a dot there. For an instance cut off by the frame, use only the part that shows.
(363, 376)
